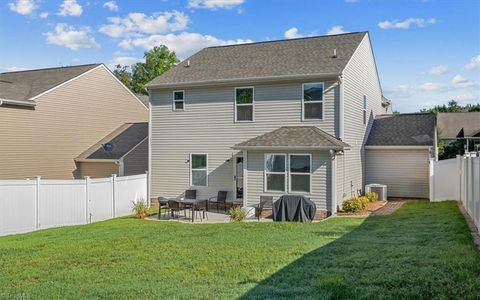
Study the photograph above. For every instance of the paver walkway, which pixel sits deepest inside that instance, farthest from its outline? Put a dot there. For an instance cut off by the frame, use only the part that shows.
(388, 208)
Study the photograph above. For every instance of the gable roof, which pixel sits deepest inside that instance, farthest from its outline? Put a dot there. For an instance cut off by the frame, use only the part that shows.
(274, 59)
(122, 140)
(294, 137)
(24, 85)
(416, 129)
(458, 125)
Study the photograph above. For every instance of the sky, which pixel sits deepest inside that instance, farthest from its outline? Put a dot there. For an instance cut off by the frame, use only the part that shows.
(427, 51)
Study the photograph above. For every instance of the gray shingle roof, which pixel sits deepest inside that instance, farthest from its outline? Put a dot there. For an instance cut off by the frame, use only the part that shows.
(462, 124)
(122, 140)
(304, 56)
(294, 137)
(23, 85)
(403, 130)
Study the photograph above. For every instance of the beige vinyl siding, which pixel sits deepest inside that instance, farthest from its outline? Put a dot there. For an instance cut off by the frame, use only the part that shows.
(320, 178)
(136, 162)
(65, 122)
(207, 126)
(360, 78)
(405, 171)
(97, 169)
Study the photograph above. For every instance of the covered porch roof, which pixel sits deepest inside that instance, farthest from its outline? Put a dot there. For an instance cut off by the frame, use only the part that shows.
(294, 138)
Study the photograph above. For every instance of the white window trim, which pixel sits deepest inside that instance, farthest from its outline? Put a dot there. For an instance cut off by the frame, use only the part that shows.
(173, 101)
(190, 167)
(253, 104)
(365, 107)
(297, 173)
(315, 101)
(265, 186)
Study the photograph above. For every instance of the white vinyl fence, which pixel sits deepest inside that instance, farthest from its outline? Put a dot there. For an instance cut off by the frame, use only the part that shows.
(457, 179)
(28, 205)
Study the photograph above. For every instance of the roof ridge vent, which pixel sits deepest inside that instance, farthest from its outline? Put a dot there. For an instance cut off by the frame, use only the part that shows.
(187, 64)
(334, 53)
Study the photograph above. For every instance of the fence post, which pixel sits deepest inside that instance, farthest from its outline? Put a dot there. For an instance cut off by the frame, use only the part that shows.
(114, 194)
(87, 208)
(432, 180)
(148, 188)
(37, 200)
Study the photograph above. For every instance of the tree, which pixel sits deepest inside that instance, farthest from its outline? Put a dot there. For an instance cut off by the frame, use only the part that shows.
(157, 61)
(453, 106)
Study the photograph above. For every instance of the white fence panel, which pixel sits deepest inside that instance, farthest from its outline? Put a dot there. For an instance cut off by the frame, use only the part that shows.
(28, 205)
(61, 203)
(18, 206)
(446, 180)
(100, 199)
(127, 190)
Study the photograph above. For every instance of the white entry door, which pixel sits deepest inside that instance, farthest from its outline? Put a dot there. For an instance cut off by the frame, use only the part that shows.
(238, 177)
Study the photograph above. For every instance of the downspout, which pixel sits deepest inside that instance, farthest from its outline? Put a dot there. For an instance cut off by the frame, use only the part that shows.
(334, 181)
(340, 107)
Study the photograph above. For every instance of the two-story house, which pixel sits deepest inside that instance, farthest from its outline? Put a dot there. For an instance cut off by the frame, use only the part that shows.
(267, 118)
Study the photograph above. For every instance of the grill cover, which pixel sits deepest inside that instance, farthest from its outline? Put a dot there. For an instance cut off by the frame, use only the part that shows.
(294, 208)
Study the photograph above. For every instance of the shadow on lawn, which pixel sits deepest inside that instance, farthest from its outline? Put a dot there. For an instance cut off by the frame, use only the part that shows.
(385, 257)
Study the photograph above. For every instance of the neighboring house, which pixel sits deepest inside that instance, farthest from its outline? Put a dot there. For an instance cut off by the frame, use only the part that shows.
(398, 152)
(461, 126)
(50, 116)
(123, 152)
(267, 118)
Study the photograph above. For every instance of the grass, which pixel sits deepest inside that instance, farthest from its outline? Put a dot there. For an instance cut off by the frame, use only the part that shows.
(424, 250)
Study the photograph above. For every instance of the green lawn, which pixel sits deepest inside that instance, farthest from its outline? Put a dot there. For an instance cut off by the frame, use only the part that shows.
(424, 250)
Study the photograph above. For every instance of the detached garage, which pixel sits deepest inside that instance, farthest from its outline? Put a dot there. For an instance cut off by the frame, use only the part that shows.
(398, 152)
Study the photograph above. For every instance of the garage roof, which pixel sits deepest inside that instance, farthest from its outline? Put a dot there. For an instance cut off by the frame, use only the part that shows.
(417, 129)
(458, 125)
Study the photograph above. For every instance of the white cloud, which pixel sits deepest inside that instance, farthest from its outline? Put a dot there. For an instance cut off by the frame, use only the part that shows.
(12, 69)
(351, 1)
(439, 70)
(111, 5)
(458, 82)
(402, 90)
(214, 4)
(23, 7)
(124, 61)
(137, 24)
(184, 44)
(407, 23)
(292, 33)
(43, 15)
(337, 29)
(459, 79)
(474, 63)
(70, 8)
(72, 38)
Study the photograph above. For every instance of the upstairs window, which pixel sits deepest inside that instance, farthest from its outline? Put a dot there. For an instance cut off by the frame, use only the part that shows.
(198, 170)
(275, 169)
(312, 101)
(365, 109)
(244, 104)
(178, 100)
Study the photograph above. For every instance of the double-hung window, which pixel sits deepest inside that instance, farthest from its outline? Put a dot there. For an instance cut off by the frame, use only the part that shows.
(312, 102)
(300, 166)
(244, 102)
(275, 172)
(365, 109)
(198, 169)
(178, 100)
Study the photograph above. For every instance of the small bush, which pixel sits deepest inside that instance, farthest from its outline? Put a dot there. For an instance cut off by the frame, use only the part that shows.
(140, 208)
(237, 214)
(364, 200)
(372, 196)
(352, 205)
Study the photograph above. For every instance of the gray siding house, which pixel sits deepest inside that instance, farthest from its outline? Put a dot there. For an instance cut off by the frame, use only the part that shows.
(267, 118)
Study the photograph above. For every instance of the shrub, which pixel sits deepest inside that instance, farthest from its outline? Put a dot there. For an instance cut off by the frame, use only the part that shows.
(352, 205)
(140, 208)
(364, 200)
(372, 196)
(237, 214)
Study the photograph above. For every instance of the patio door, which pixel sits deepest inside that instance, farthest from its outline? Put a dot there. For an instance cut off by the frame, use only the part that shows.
(238, 177)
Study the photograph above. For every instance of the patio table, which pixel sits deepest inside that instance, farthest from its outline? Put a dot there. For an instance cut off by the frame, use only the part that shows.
(192, 202)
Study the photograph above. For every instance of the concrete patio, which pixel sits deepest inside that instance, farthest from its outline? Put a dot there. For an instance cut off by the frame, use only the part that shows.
(213, 217)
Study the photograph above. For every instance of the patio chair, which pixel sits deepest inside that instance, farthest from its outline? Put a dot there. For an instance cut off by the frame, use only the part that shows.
(220, 199)
(174, 207)
(190, 194)
(200, 209)
(265, 202)
(162, 204)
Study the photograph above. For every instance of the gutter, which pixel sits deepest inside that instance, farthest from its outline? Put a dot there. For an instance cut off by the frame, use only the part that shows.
(96, 160)
(241, 80)
(398, 147)
(17, 102)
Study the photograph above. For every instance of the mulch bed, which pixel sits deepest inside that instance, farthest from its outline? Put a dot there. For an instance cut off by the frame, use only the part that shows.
(371, 207)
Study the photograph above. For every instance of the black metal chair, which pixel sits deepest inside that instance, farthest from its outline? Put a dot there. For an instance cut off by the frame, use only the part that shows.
(220, 199)
(200, 209)
(174, 207)
(162, 204)
(266, 202)
(190, 194)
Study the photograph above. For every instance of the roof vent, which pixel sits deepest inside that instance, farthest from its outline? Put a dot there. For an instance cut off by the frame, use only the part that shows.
(187, 64)
(334, 53)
